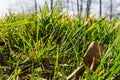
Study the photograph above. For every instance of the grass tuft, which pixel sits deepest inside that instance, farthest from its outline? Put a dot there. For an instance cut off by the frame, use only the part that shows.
(41, 45)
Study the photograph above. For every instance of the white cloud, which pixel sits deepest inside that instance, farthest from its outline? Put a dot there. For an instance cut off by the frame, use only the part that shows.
(17, 5)
(118, 8)
(3, 6)
(117, 0)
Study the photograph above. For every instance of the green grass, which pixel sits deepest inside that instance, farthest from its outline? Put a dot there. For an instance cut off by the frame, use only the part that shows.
(51, 40)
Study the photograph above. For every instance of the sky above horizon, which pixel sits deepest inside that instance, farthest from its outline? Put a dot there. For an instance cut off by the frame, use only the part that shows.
(18, 5)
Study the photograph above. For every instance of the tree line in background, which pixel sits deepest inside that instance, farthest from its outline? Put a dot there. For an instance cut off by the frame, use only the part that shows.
(80, 6)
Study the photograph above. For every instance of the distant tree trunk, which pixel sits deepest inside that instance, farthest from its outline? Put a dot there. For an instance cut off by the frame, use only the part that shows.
(35, 6)
(100, 8)
(39, 8)
(67, 4)
(110, 9)
(88, 8)
(72, 6)
(78, 6)
(81, 6)
(51, 4)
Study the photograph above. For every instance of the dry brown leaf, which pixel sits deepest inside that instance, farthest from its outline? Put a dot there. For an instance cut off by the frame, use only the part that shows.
(91, 60)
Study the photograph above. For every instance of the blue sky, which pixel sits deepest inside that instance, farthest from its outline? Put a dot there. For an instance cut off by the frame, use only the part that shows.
(17, 5)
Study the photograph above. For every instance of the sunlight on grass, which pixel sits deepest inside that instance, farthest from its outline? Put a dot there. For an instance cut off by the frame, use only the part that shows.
(38, 45)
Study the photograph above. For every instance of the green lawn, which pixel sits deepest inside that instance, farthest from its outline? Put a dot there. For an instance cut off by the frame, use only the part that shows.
(41, 45)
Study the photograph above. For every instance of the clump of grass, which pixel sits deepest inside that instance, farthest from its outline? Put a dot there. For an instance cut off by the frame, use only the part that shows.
(40, 45)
